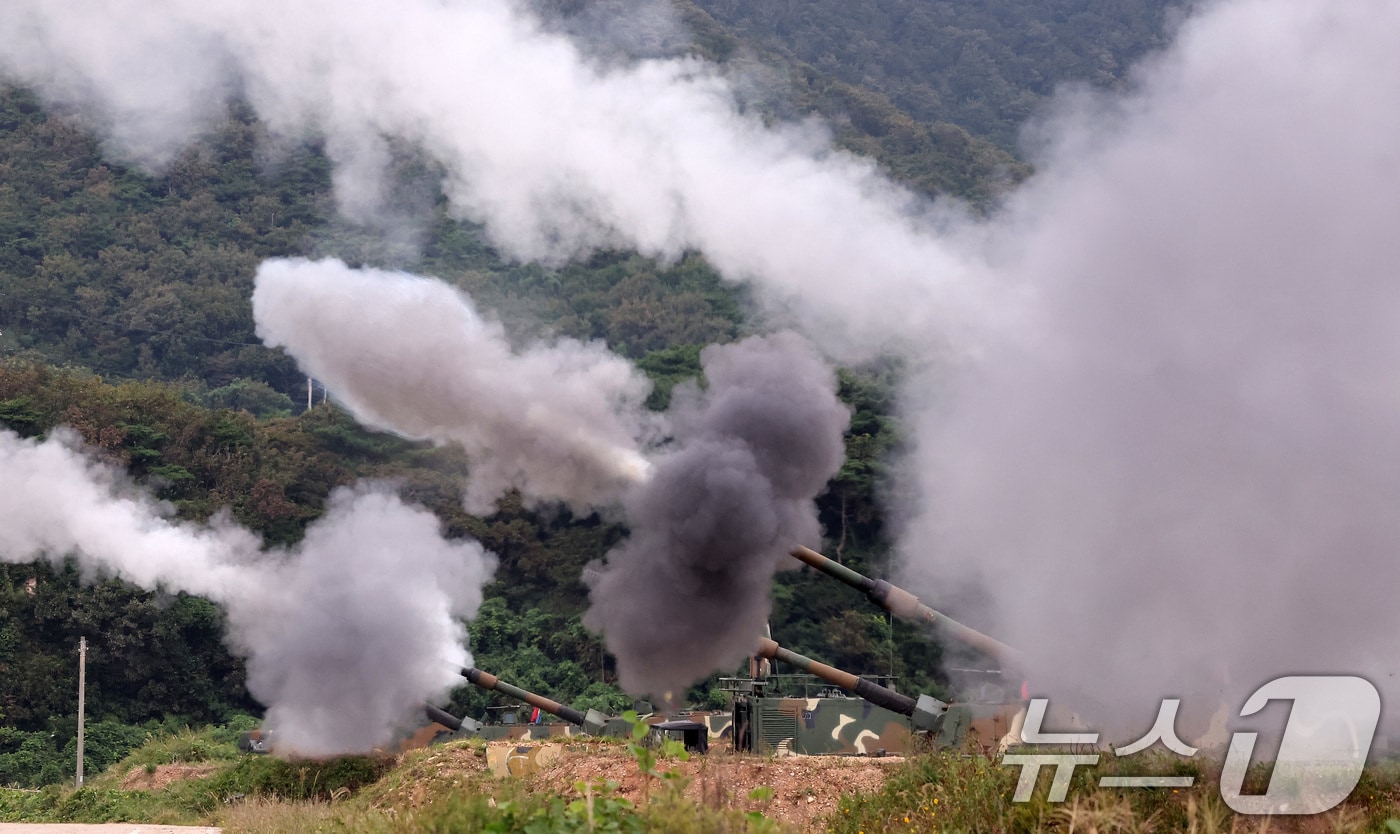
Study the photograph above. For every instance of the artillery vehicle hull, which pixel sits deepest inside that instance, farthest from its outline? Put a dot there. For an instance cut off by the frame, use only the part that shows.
(873, 719)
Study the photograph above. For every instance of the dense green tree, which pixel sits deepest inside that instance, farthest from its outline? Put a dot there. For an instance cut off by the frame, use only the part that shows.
(984, 66)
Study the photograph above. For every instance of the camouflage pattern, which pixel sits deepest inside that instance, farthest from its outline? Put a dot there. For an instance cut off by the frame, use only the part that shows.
(720, 724)
(878, 719)
(847, 726)
(989, 723)
(520, 759)
(506, 726)
(819, 727)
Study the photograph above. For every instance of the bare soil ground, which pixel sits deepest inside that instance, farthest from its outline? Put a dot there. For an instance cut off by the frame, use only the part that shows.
(140, 779)
(804, 788)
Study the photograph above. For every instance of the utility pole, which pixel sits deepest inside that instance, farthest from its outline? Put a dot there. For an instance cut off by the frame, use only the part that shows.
(82, 691)
(309, 392)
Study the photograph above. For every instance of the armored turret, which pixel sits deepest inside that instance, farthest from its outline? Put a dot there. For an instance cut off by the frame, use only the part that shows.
(924, 712)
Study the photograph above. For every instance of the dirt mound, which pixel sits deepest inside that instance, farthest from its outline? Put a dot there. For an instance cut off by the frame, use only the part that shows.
(423, 774)
(804, 788)
(142, 779)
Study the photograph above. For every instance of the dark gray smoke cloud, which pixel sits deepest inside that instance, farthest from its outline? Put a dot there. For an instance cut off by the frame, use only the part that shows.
(1180, 473)
(346, 635)
(687, 593)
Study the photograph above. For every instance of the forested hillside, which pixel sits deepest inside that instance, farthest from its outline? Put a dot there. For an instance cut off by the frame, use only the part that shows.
(984, 66)
(124, 314)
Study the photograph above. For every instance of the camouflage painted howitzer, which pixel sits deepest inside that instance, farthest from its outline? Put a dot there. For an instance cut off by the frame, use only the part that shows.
(906, 606)
(925, 713)
(992, 712)
(590, 723)
(876, 720)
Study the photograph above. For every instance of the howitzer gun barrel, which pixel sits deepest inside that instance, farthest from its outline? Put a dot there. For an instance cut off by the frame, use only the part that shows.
(486, 680)
(905, 605)
(443, 717)
(876, 694)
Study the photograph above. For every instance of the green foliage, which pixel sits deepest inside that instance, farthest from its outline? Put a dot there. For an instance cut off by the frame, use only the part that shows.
(955, 791)
(599, 810)
(642, 747)
(134, 275)
(668, 367)
(21, 416)
(270, 776)
(250, 395)
(138, 275)
(945, 791)
(984, 66)
(851, 507)
(89, 805)
(543, 651)
(31, 759)
(187, 746)
(46, 757)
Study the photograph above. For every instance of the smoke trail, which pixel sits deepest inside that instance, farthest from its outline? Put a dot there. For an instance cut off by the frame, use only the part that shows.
(554, 153)
(350, 637)
(558, 421)
(57, 502)
(1197, 412)
(687, 593)
(1182, 479)
(346, 635)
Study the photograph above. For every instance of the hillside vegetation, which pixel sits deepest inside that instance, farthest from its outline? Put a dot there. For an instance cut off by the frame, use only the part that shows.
(124, 316)
(159, 658)
(605, 785)
(984, 66)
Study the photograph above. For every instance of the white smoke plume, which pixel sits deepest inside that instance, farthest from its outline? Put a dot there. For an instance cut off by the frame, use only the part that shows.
(1181, 476)
(346, 635)
(555, 153)
(559, 421)
(1180, 472)
(56, 502)
(351, 634)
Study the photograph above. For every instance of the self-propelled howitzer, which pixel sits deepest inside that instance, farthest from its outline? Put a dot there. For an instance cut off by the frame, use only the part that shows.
(924, 712)
(592, 722)
(878, 719)
(906, 606)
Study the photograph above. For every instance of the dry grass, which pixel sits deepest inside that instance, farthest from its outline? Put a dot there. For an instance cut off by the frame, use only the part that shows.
(278, 816)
